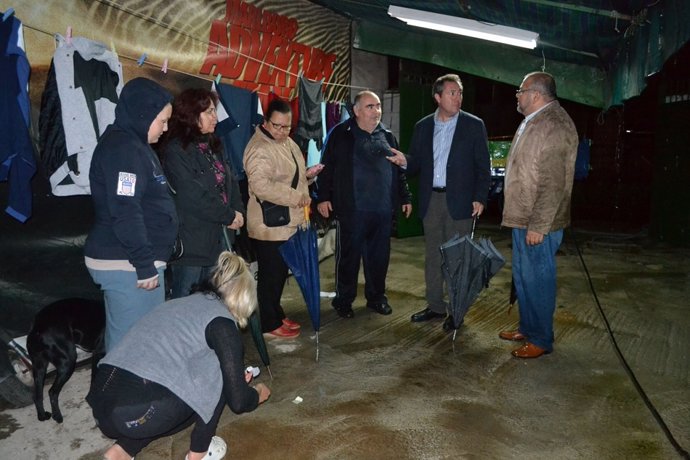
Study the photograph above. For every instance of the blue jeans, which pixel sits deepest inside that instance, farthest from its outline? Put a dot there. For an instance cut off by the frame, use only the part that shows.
(534, 274)
(125, 303)
(184, 277)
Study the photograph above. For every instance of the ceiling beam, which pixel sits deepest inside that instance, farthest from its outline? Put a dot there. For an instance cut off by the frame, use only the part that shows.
(582, 9)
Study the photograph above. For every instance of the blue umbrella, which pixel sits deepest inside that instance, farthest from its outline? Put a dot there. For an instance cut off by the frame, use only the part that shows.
(301, 255)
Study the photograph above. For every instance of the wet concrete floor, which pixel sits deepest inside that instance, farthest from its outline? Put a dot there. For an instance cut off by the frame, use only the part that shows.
(384, 388)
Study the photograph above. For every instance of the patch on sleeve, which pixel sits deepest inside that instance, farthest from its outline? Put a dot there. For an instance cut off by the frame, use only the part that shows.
(126, 184)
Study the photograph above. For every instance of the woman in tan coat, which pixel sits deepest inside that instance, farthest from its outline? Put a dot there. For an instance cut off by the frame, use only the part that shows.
(274, 163)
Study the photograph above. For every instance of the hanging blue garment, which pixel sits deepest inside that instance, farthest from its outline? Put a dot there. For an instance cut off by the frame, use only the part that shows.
(17, 160)
(582, 160)
(323, 121)
(242, 107)
(313, 154)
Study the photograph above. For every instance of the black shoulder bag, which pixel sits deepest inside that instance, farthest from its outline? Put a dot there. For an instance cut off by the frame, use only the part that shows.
(276, 215)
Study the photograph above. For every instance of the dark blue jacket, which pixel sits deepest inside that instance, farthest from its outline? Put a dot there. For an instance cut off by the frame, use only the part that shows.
(17, 162)
(135, 213)
(468, 171)
(336, 181)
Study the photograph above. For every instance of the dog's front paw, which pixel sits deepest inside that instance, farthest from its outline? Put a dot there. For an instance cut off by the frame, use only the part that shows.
(43, 416)
(57, 416)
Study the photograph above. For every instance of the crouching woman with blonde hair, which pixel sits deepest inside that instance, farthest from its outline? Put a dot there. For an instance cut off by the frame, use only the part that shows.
(179, 365)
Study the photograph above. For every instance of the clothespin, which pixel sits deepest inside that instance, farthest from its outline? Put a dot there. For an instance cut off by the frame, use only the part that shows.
(8, 13)
(112, 46)
(68, 35)
(218, 77)
(142, 59)
(164, 67)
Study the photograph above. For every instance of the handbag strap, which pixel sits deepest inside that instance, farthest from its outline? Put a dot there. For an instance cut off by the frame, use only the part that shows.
(296, 178)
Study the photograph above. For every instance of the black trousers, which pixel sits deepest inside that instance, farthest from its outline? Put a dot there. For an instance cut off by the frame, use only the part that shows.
(362, 236)
(270, 283)
(134, 411)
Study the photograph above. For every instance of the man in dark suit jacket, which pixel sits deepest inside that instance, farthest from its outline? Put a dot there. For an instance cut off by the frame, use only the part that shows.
(449, 151)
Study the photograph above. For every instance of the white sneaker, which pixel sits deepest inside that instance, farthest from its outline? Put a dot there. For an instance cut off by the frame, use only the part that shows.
(216, 450)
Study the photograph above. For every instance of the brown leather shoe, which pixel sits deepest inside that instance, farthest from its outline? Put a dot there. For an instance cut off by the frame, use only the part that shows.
(529, 350)
(512, 335)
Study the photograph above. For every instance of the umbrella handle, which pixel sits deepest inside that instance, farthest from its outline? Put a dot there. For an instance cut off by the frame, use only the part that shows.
(226, 238)
(474, 224)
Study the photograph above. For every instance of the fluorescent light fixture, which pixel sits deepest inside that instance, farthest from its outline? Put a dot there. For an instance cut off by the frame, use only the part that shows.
(467, 27)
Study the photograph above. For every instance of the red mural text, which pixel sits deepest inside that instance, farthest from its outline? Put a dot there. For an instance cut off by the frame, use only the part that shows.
(255, 49)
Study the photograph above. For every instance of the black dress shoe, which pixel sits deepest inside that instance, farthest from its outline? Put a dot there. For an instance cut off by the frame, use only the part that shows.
(345, 312)
(381, 308)
(448, 325)
(426, 315)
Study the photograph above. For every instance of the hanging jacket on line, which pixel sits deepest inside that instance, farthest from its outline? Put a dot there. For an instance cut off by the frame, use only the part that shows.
(77, 105)
(17, 162)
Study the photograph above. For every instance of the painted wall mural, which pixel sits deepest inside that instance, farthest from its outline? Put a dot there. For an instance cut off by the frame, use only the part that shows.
(258, 49)
(261, 45)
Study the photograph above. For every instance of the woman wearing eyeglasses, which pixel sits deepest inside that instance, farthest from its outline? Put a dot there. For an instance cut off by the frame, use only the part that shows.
(276, 174)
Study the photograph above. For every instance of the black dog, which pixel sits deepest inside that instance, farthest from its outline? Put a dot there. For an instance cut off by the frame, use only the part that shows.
(57, 331)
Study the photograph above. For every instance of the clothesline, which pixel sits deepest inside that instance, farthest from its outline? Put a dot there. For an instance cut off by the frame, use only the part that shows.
(130, 58)
(169, 27)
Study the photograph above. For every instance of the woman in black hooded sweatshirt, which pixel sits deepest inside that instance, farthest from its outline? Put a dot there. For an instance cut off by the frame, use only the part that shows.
(135, 219)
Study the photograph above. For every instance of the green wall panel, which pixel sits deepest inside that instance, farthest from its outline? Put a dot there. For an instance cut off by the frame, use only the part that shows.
(586, 85)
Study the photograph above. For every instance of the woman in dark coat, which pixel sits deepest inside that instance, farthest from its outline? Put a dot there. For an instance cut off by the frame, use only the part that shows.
(207, 197)
(135, 226)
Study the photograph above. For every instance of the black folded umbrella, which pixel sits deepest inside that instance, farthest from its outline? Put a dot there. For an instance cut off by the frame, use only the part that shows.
(254, 320)
(467, 266)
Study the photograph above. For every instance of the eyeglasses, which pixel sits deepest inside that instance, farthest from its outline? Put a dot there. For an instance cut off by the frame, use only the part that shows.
(520, 91)
(280, 127)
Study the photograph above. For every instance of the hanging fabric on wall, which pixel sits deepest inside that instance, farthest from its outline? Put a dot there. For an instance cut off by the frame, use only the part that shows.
(582, 159)
(78, 103)
(345, 109)
(313, 152)
(310, 124)
(17, 162)
(242, 107)
(332, 115)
